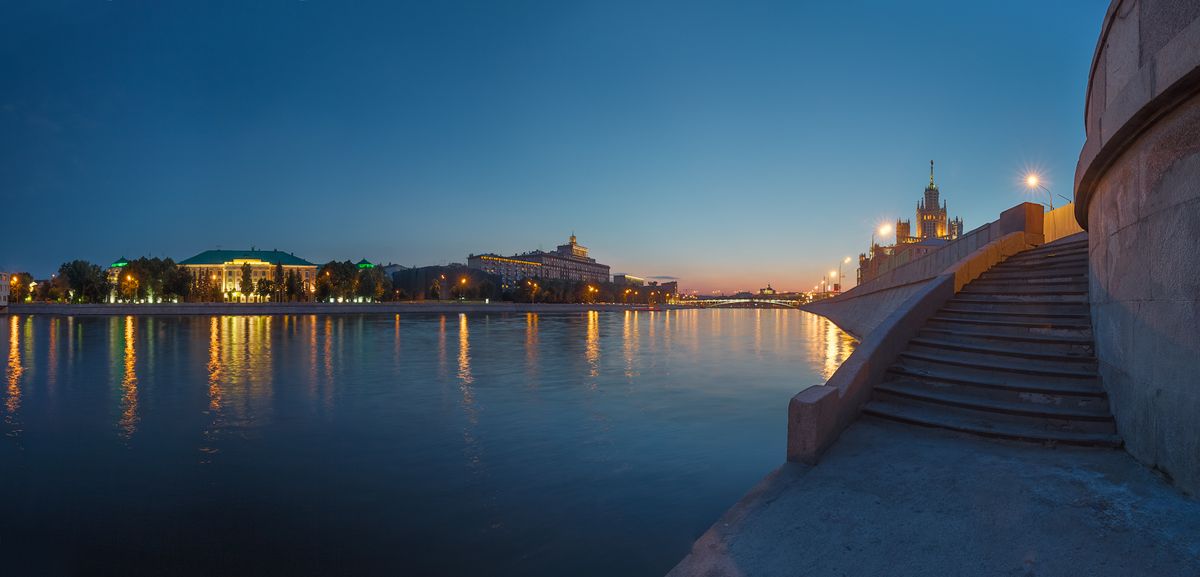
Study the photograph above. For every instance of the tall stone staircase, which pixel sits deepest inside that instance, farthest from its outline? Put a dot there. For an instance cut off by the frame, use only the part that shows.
(1010, 356)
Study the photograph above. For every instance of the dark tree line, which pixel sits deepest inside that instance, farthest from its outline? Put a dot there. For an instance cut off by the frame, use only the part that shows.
(345, 281)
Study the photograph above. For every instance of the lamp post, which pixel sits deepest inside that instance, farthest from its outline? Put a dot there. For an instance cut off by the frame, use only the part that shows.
(844, 261)
(883, 230)
(1034, 182)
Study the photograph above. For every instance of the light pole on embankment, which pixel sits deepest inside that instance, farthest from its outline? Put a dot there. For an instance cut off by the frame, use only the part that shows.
(1034, 181)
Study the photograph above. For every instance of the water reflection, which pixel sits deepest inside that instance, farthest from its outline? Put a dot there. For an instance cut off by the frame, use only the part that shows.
(12, 393)
(531, 348)
(217, 408)
(592, 351)
(127, 424)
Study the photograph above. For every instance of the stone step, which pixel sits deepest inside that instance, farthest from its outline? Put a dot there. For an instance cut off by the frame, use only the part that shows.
(1077, 253)
(1011, 287)
(1026, 309)
(1015, 325)
(1017, 350)
(985, 362)
(1068, 273)
(966, 422)
(1013, 384)
(1040, 406)
(991, 358)
(1057, 246)
(971, 334)
(993, 297)
(1015, 264)
(1079, 282)
(1051, 311)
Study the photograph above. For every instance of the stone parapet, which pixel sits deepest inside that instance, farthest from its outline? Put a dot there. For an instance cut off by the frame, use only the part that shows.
(818, 415)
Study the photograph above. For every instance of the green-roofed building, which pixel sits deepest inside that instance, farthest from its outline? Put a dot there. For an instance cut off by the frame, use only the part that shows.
(225, 268)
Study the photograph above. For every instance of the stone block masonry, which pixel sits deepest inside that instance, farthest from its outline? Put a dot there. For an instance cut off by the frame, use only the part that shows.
(1138, 194)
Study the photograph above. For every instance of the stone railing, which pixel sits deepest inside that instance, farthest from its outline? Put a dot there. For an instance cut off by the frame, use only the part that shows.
(886, 313)
(860, 309)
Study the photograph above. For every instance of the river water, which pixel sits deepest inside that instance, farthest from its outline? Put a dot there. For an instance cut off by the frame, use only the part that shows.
(597, 443)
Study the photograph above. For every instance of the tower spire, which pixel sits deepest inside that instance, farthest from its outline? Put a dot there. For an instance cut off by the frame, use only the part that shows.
(930, 173)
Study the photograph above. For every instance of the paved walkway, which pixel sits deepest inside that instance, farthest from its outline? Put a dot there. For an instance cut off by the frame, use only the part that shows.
(896, 500)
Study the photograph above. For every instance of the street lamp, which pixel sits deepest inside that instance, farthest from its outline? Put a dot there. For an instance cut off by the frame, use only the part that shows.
(844, 261)
(884, 230)
(1034, 182)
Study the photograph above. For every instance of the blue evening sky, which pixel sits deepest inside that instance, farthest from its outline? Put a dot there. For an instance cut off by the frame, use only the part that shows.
(729, 144)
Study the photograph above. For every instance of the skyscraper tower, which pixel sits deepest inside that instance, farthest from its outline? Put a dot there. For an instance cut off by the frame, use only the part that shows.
(931, 214)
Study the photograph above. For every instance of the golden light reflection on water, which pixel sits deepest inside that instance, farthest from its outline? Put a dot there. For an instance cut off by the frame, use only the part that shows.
(214, 365)
(240, 377)
(531, 347)
(12, 393)
(464, 355)
(831, 347)
(631, 337)
(127, 424)
(592, 351)
(471, 447)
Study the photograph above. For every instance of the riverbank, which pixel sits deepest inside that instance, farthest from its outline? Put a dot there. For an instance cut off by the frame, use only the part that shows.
(424, 307)
(893, 499)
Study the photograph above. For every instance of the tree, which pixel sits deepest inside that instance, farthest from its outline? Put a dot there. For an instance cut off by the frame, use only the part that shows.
(128, 286)
(177, 282)
(292, 287)
(336, 280)
(372, 284)
(86, 281)
(279, 282)
(20, 287)
(266, 288)
(247, 284)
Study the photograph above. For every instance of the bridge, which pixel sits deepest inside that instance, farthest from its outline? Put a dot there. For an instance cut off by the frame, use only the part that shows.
(747, 303)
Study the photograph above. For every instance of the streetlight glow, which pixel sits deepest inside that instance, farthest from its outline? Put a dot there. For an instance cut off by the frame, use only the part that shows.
(1032, 180)
(885, 230)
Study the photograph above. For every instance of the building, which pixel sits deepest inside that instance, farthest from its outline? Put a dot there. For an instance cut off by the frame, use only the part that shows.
(115, 269)
(510, 270)
(766, 291)
(628, 280)
(567, 262)
(669, 288)
(224, 267)
(447, 282)
(934, 229)
(931, 219)
(5, 280)
(391, 269)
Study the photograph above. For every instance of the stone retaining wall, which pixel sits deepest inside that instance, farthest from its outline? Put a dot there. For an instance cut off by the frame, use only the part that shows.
(1138, 194)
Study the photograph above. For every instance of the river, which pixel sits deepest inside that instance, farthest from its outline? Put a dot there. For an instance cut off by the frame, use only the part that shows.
(595, 443)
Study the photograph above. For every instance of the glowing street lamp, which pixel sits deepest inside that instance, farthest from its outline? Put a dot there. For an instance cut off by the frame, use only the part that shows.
(1034, 181)
(883, 230)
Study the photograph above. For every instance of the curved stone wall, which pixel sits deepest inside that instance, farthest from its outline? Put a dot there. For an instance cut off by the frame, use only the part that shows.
(1137, 191)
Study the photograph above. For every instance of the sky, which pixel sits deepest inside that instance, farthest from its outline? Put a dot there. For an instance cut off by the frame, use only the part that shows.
(728, 144)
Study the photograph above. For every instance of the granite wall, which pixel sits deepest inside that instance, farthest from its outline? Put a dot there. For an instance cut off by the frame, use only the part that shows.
(1138, 194)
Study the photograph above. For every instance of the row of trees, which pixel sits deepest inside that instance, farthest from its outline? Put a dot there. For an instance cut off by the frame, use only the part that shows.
(567, 291)
(163, 280)
(149, 280)
(345, 281)
(283, 286)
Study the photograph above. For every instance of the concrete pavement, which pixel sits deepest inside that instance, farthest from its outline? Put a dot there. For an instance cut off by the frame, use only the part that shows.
(897, 500)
